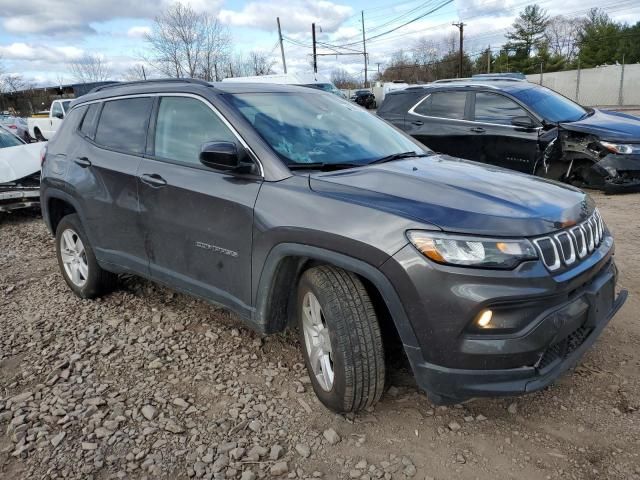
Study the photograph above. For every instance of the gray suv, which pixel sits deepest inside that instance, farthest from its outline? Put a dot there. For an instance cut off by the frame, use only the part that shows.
(295, 208)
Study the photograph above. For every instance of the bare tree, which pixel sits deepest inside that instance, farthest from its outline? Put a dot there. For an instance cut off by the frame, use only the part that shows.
(89, 68)
(261, 63)
(13, 82)
(562, 34)
(343, 79)
(135, 72)
(186, 43)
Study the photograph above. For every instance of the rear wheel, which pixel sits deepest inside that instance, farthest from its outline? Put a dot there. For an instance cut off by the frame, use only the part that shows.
(77, 261)
(340, 338)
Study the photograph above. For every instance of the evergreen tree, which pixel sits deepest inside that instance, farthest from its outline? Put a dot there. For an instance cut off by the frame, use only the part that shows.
(526, 38)
(599, 40)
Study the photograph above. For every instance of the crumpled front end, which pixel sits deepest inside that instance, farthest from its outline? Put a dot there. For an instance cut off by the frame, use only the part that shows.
(616, 173)
(21, 193)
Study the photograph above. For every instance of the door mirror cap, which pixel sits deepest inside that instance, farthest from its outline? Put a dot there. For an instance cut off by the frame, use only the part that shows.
(523, 121)
(59, 115)
(226, 157)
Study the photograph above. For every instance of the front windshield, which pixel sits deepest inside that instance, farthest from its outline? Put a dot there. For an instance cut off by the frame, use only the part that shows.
(320, 128)
(550, 105)
(8, 139)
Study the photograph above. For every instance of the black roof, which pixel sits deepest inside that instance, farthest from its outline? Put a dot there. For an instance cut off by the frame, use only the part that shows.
(187, 85)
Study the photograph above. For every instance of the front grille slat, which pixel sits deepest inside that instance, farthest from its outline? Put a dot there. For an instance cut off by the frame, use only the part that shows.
(567, 247)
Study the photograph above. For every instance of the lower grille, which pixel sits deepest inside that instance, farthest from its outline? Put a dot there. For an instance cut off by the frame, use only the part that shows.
(563, 348)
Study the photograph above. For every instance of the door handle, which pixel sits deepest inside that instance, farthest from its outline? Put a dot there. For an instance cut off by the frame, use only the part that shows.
(417, 123)
(153, 180)
(478, 129)
(84, 162)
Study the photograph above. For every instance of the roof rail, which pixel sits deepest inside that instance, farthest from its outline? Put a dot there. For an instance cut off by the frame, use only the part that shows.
(479, 79)
(155, 80)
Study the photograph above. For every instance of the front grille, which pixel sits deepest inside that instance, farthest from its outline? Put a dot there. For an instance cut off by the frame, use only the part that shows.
(569, 246)
(563, 348)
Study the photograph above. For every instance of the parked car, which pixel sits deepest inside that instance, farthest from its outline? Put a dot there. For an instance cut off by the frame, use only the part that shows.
(43, 125)
(16, 125)
(522, 126)
(293, 207)
(364, 98)
(19, 172)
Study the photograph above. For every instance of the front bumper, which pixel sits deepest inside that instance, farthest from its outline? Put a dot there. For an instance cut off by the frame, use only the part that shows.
(19, 198)
(449, 385)
(616, 174)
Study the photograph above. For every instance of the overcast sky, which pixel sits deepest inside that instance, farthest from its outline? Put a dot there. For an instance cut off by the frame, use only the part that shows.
(38, 37)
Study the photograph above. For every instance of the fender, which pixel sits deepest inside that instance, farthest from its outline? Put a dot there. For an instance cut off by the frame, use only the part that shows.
(261, 316)
(50, 193)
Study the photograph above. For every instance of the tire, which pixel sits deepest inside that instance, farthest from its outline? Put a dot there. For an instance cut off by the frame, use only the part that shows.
(355, 353)
(83, 275)
(39, 136)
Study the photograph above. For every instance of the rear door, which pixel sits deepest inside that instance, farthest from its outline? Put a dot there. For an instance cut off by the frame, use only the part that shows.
(440, 120)
(198, 221)
(104, 173)
(502, 143)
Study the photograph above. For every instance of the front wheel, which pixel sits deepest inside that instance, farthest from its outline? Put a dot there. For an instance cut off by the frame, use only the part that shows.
(341, 339)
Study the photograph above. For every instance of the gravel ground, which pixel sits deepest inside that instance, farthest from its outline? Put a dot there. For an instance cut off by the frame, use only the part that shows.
(147, 383)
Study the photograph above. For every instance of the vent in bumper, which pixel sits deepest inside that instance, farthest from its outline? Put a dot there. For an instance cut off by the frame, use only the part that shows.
(563, 348)
(569, 246)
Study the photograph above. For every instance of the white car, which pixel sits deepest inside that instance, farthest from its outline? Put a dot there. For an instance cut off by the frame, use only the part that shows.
(19, 172)
(43, 125)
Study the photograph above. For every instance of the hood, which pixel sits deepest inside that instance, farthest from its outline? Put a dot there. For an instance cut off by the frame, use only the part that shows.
(460, 196)
(606, 125)
(19, 161)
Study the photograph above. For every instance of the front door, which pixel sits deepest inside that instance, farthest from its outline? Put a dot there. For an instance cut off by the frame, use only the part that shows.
(198, 221)
(502, 143)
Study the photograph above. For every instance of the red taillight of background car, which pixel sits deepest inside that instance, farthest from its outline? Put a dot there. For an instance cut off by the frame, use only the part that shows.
(13, 127)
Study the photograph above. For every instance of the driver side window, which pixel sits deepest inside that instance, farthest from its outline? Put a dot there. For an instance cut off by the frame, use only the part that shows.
(56, 111)
(183, 125)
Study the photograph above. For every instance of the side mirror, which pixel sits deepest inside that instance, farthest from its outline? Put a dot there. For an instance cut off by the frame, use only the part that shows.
(59, 115)
(522, 121)
(225, 156)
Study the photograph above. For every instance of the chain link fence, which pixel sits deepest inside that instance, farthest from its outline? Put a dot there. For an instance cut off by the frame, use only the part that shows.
(609, 85)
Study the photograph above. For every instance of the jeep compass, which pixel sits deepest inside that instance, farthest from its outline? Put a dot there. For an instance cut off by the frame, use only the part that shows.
(295, 208)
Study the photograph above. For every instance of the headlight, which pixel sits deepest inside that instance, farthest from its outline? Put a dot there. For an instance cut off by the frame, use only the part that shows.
(622, 148)
(472, 251)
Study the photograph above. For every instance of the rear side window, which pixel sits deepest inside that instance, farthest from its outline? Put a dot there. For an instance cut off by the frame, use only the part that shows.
(183, 125)
(495, 108)
(123, 124)
(90, 120)
(443, 105)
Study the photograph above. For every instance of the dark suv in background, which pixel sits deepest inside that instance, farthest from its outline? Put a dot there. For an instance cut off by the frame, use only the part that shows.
(293, 207)
(519, 125)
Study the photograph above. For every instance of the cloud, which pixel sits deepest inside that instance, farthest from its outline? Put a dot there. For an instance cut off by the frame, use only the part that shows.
(39, 53)
(65, 17)
(295, 15)
(138, 32)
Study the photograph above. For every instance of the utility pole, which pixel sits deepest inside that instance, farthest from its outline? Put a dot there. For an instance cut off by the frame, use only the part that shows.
(284, 63)
(489, 59)
(461, 28)
(315, 58)
(364, 49)
(378, 64)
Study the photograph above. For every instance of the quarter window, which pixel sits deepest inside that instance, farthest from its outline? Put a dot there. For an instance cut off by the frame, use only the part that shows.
(123, 124)
(88, 126)
(443, 105)
(183, 125)
(494, 108)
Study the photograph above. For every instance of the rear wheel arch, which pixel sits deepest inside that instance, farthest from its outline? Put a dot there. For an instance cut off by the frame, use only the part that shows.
(57, 209)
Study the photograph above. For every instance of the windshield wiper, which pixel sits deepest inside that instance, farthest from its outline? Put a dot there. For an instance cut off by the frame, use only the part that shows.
(397, 156)
(323, 166)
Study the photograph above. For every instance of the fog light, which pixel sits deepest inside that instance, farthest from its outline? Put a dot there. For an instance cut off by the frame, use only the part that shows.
(484, 319)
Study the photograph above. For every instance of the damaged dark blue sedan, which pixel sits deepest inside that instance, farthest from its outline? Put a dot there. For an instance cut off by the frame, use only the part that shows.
(522, 126)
